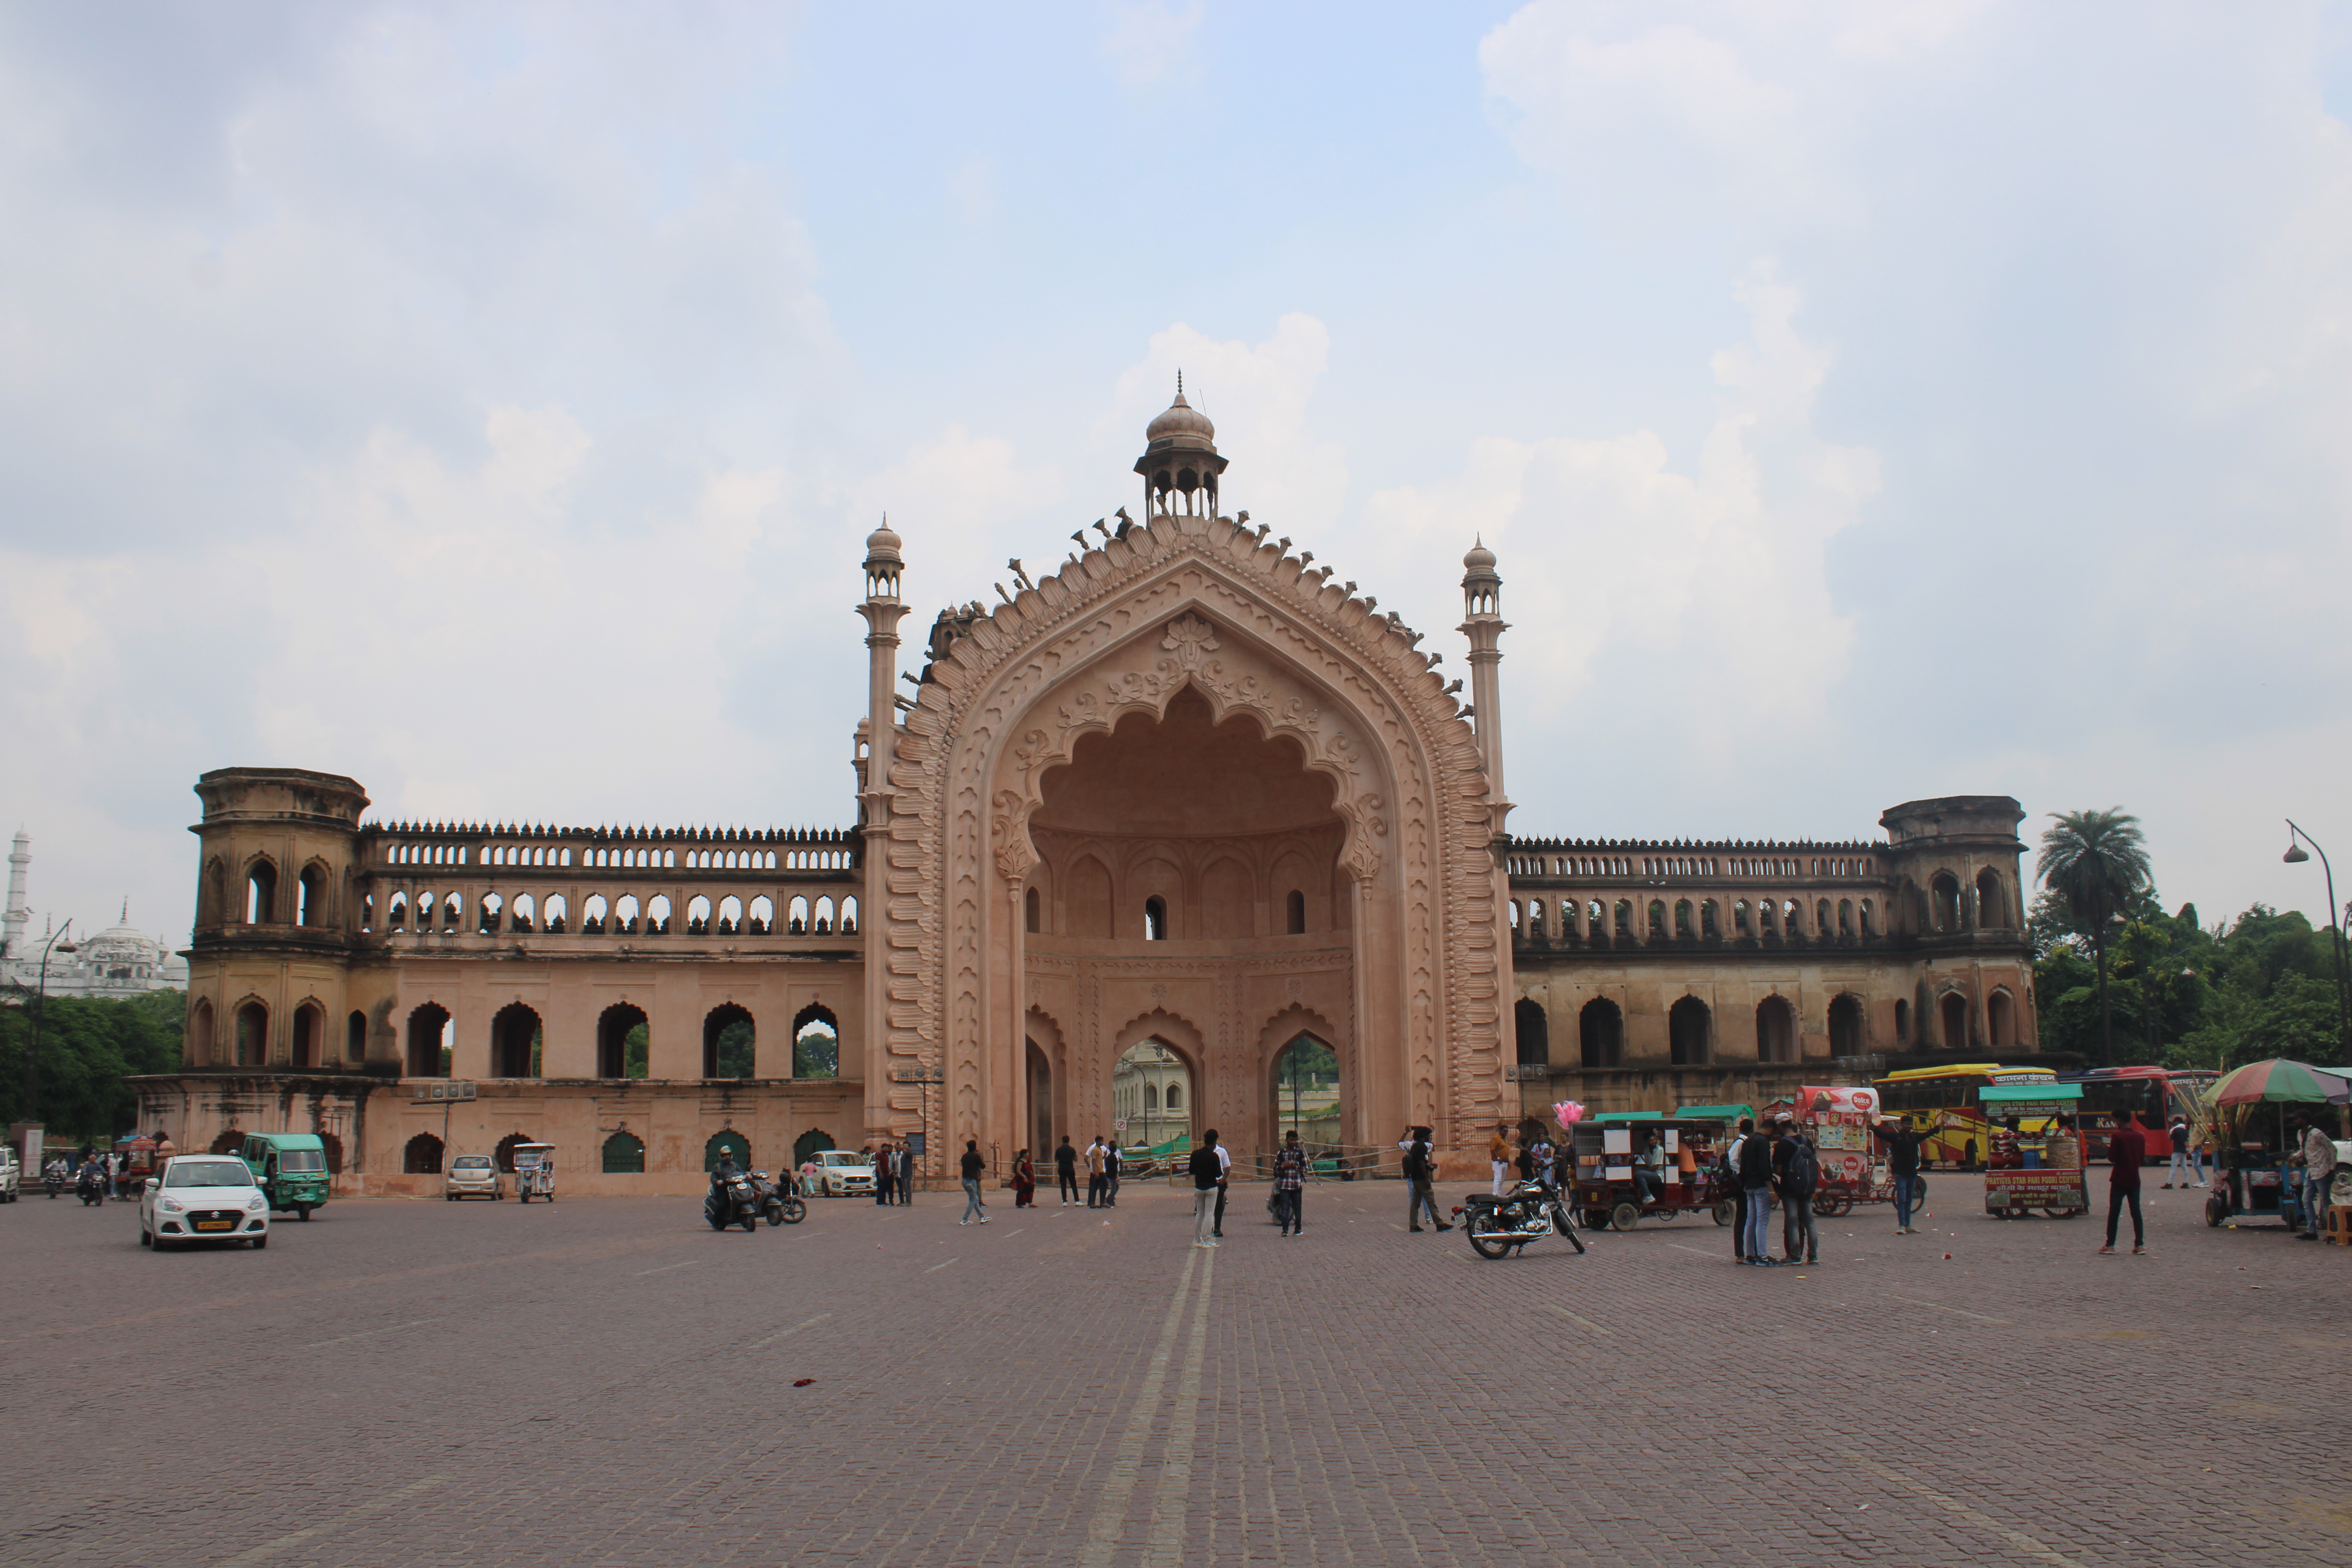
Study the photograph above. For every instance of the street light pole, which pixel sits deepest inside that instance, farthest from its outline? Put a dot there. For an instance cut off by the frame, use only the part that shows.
(40, 1006)
(2293, 855)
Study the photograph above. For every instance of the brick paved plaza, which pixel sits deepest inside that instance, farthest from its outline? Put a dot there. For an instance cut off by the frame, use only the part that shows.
(607, 1381)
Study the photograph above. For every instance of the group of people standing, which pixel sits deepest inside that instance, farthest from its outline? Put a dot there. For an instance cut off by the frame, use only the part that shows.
(894, 1174)
(1103, 1162)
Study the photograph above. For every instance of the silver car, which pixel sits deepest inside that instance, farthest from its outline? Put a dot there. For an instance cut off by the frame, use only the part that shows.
(473, 1176)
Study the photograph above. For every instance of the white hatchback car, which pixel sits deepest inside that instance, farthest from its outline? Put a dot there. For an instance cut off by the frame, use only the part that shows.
(472, 1176)
(203, 1198)
(842, 1172)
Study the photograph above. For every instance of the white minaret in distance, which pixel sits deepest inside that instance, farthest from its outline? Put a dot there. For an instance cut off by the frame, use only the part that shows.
(19, 859)
(1483, 623)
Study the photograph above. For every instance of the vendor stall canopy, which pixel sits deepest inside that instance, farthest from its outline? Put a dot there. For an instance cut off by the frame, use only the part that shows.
(2279, 1080)
(1715, 1112)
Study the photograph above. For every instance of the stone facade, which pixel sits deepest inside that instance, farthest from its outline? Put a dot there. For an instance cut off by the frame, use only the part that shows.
(1187, 793)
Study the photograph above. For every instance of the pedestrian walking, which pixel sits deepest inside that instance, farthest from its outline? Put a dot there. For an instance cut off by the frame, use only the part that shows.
(2207, 1164)
(1797, 1176)
(2127, 1152)
(1756, 1180)
(2318, 1171)
(1289, 1184)
(1094, 1173)
(1729, 1174)
(1110, 1175)
(1208, 1173)
(1498, 1155)
(1066, 1167)
(1024, 1182)
(1418, 1171)
(885, 1180)
(1224, 1186)
(2177, 1173)
(1902, 1141)
(973, 1167)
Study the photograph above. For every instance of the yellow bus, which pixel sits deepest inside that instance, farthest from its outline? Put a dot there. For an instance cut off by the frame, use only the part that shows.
(1941, 1102)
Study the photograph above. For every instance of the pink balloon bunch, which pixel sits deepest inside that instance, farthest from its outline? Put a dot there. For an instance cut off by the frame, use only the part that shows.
(1568, 1113)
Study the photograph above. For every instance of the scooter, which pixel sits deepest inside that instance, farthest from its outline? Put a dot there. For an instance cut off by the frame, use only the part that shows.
(779, 1204)
(736, 1203)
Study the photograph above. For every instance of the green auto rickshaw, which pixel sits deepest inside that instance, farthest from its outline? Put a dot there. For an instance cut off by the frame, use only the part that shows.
(290, 1169)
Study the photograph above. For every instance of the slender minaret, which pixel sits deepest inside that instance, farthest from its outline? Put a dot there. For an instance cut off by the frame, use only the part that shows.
(883, 611)
(19, 857)
(1482, 599)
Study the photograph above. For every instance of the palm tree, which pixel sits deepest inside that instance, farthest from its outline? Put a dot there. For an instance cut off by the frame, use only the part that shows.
(2097, 862)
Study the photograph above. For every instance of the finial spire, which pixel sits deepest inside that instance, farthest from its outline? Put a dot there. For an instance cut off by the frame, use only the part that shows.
(1180, 385)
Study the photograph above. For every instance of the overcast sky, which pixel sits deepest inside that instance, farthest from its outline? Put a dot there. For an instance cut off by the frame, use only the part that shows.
(1866, 402)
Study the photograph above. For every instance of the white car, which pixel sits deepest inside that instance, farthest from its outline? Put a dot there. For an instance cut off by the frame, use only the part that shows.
(472, 1176)
(9, 1186)
(203, 1198)
(840, 1172)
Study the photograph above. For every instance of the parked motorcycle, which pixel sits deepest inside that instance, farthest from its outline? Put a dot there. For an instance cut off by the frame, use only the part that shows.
(778, 1202)
(1529, 1212)
(736, 1203)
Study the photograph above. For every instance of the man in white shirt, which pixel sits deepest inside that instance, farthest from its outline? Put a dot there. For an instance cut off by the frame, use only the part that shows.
(1224, 1176)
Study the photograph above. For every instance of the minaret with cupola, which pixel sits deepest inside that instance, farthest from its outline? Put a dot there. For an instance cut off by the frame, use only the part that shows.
(1483, 623)
(1180, 465)
(877, 747)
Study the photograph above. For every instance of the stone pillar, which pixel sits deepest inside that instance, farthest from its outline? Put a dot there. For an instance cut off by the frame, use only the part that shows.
(882, 611)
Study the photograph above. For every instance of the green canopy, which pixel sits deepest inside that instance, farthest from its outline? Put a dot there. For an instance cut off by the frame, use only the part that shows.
(2279, 1078)
(1715, 1112)
(1627, 1116)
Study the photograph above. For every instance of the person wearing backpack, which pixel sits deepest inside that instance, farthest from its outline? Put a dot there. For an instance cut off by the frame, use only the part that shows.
(1727, 1179)
(1756, 1182)
(1796, 1170)
(1419, 1168)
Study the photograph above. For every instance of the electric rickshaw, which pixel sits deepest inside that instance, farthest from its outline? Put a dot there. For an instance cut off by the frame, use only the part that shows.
(1605, 1149)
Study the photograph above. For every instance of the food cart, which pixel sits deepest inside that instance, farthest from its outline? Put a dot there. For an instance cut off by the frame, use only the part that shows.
(1603, 1148)
(1839, 1122)
(2250, 1112)
(534, 1165)
(2056, 1186)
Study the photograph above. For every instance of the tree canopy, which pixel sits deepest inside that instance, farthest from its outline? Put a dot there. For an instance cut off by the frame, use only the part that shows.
(87, 1048)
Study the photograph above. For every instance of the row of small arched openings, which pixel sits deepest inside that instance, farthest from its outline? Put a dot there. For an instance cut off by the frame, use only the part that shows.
(1950, 908)
(622, 1153)
(1691, 1031)
(624, 916)
(623, 1042)
(260, 906)
(1535, 919)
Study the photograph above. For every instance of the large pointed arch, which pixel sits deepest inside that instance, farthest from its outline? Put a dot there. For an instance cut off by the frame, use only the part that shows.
(1187, 602)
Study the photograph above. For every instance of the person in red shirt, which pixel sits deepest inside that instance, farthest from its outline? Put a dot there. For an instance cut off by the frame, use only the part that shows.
(2127, 1152)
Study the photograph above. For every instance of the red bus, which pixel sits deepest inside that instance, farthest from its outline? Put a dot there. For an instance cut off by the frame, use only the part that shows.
(2152, 1096)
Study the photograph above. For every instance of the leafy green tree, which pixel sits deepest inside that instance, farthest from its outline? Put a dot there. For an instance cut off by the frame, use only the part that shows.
(89, 1045)
(2097, 862)
(735, 1049)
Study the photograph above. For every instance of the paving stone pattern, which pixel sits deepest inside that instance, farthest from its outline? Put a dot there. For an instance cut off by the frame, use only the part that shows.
(608, 1382)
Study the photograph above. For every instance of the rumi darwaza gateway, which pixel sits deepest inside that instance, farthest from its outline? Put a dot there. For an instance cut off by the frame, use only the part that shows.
(1187, 834)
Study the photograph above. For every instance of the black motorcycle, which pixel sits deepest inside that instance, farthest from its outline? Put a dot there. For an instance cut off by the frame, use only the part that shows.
(1496, 1226)
(779, 1204)
(52, 1182)
(735, 1202)
(91, 1187)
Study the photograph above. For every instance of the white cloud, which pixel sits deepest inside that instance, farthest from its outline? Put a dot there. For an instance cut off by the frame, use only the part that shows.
(1150, 42)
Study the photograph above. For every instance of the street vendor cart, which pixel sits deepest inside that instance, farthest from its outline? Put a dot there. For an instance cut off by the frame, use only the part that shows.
(1839, 1122)
(2055, 1184)
(534, 1166)
(2250, 1115)
(1606, 1151)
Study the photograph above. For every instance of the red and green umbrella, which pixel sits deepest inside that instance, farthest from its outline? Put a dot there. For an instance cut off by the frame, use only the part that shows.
(2279, 1080)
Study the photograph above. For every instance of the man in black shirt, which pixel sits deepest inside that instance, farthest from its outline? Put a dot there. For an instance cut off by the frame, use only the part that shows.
(973, 1167)
(1902, 1143)
(1208, 1186)
(1066, 1167)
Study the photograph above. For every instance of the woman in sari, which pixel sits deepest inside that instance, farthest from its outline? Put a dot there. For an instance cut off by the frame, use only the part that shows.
(1025, 1180)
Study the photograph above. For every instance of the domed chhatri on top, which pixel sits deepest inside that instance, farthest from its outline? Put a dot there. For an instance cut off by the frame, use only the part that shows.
(1180, 461)
(1182, 425)
(883, 562)
(1480, 562)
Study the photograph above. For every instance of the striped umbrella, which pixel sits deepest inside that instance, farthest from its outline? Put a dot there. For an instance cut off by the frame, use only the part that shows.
(2279, 1080)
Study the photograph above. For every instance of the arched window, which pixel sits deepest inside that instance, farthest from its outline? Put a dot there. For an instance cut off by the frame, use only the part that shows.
(1682, 918)
(763, 917)
(253, 1035)
(1155, 919)
(261, 894)
(623, 1042)
(200, 1034)
(731, 916)
(487, 918)
(1865, 917)
(799, 923)
(310, 899)
(515, 1041)
(594, 914)
(698, 916)
(817, 1043)
(422, 1157)
(1845, 917)
(1294, 913)
(2001, 1021)
(1175, 1096)
(1821, 919)
(1944, 902)
(526, 914)
(1739, 918)
(657, 915)
(1517, 926)
(1029, 906)
(729, 1039)
(1707, 926)
(1151, 1097)
(624, 915)
(355, 1037)
(1534, 1031)
(1690, 1032)
(849, 917)
(1902, 1021)
(1955, 1010)
(1776, 1031)
(824, 925)
(625, 1155)
(310, 1034)
(727, 1142)
(1601, 1033)
(1624, 917)
(1993, 907)
(1657, 920)
(428, 1045)
(1845, 1024)
(396, 917)
(214, 902)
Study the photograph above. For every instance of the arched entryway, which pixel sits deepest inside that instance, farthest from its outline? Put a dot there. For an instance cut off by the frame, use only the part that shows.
(1776, 1031)
(624, 1155)
(1601, 1033)
(1845, 1024)
(1690, 1032)
(729, 1039)
(1152, 1092)
(729, 1142)
(428, 1041)
(817, 1043)
(1534, 1031)
(1306, 1098)
(421, 1156)
(1954, 1009)
(2001, 1021)
(515, 1040)
(1041, 1098)
(809, 1145)
(623, 1042)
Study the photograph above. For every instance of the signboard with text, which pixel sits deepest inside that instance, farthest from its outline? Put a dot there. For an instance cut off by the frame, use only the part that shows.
(2045, 1189)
